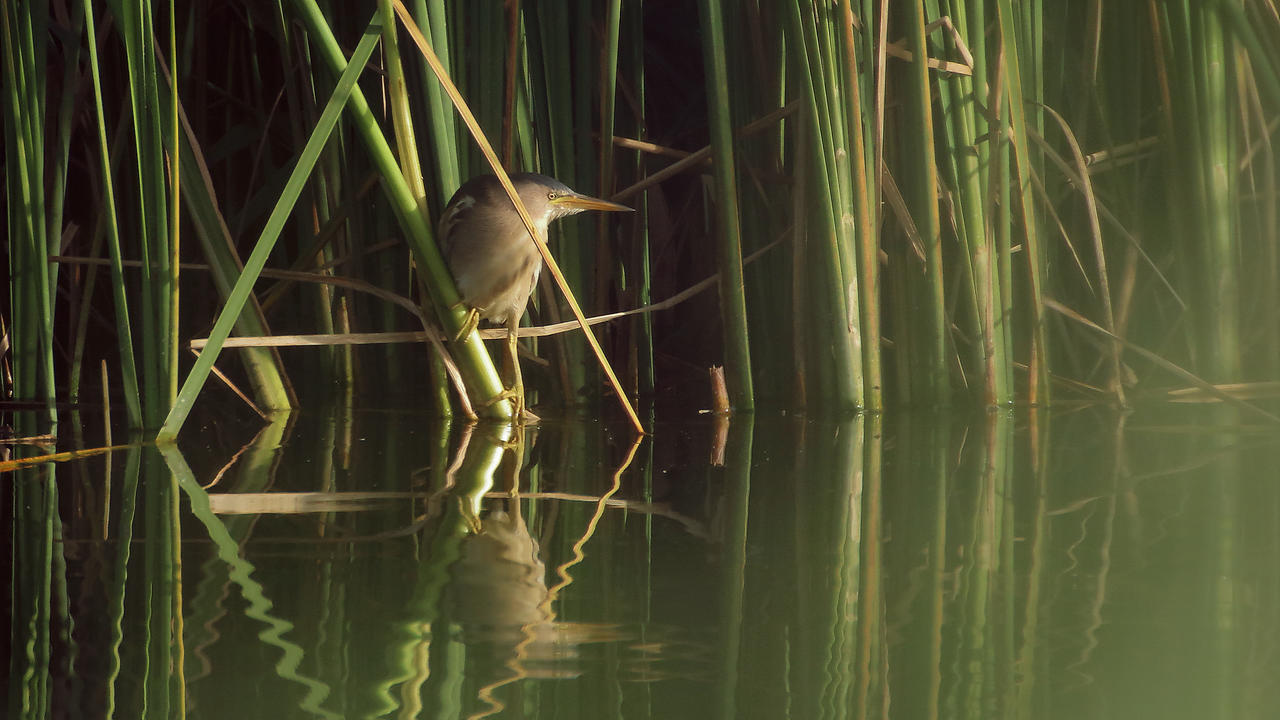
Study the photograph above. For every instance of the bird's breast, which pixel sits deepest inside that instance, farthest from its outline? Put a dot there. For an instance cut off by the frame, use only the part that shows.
(495, 271)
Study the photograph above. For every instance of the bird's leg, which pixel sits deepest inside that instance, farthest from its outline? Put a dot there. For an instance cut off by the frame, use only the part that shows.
(517, 378)
(514, 393)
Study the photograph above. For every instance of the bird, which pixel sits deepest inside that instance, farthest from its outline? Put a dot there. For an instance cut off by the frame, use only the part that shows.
(494, 262)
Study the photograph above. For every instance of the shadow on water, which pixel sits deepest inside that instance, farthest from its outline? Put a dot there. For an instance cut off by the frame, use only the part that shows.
(375, 565)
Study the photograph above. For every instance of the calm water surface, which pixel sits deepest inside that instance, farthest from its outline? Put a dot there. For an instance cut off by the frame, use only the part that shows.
(377, 565)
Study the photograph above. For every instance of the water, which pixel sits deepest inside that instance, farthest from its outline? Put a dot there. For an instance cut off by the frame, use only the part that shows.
(370, 565)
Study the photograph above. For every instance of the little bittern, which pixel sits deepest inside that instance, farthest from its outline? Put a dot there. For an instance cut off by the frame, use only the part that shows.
(493, 260)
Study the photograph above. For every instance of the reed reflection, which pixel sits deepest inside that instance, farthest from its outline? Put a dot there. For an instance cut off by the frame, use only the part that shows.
(977, 567)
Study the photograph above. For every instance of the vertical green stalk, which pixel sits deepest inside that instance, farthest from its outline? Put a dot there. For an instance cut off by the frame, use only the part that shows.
(993, 161)
(481, 72)
(868, 240)
(407, 152)
(553, 105)
(1201, 217)
(930, 368)
(994, 284)
(605, 262)
(1038, 387)
(175, 175)
(137, 33)
(473, 361)
(586, 72)
(848, 332)
(757, 69)
(67, 116)
(1220, 320)
(124, 334)
(201, 203)
(433, 20)
(828, 281)
(966, 161)
(733, 305)
(23, 30)
(1000, 195)
(640, 277)
(1263, 63)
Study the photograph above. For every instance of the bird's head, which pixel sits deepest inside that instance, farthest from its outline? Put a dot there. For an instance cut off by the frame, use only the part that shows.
(549, 199)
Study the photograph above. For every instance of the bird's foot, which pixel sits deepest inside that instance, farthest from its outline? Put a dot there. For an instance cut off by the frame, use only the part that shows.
(470, 517)
(507, 394)
(468, 324)
(521, 413)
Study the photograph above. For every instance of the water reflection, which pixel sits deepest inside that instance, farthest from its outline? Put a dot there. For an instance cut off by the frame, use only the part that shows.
(369, 565)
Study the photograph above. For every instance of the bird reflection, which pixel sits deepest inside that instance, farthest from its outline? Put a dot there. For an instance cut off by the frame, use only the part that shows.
(498, 588)
(497, 593)
(498, 598)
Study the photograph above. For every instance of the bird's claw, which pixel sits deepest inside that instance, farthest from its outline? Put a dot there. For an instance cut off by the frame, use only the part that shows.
(468, 324)
(506, 394)
(470, 517)
(521, 413)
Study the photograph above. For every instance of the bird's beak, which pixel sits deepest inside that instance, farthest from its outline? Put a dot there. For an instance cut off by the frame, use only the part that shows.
(586, 202)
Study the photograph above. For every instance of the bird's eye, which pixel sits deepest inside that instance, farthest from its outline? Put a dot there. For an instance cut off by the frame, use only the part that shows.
(552, 195)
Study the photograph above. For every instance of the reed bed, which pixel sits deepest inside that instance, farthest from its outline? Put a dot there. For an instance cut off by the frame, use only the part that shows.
(954, 202)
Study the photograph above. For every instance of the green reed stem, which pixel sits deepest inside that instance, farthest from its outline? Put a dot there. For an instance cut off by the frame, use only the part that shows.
(931, 372)
(407, 151)
(152, 208)
(641, 276)
(1220, 322)
(733, 304)
(826, 284)
(262, 249)
(868, 240)
(266, 374)
(124, 334)
(23, 31)
(1038, 388)
(175, 185)
(473, 361)
(553, 107)
(444, 140)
